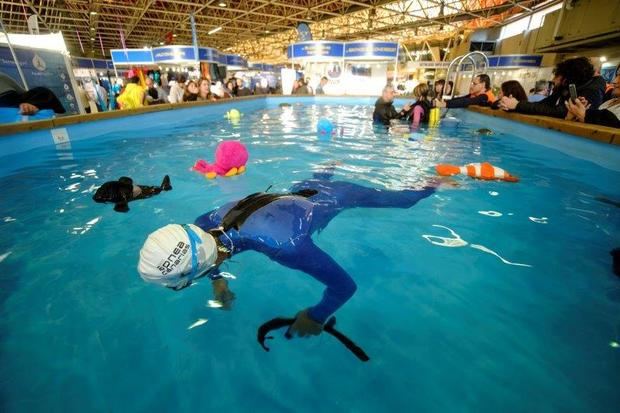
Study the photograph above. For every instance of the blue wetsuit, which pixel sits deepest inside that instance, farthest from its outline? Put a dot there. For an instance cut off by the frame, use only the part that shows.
(282, 230)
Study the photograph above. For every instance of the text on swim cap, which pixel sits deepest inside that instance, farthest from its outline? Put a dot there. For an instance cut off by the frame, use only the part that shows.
(173, 259)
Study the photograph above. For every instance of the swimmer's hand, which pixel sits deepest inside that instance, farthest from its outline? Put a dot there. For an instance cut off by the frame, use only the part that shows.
(443, 181)
(222, 294)
(304, 326)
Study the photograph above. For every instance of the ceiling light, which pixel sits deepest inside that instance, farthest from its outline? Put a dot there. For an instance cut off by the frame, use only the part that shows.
(174, 35)
(267, 31)
(603, 59)
(92, 38)
(217, 29)
(93, 13)
(161, 43)
(92, 28)
(222, 4)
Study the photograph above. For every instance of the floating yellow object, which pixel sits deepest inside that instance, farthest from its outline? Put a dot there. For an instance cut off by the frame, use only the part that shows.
(433, 117)
(233, 115)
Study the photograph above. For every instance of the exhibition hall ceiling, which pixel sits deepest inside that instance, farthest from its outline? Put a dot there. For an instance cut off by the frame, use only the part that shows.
(256, 29)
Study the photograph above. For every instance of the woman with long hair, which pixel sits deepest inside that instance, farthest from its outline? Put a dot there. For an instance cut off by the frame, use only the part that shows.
(204, 90)
(191, 92)
(513, 89)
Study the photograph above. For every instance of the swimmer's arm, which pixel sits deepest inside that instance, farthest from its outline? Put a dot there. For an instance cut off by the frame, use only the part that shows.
(310, 259)
(206, 221)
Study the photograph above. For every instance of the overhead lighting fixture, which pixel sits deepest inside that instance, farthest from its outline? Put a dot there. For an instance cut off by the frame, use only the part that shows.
(161, 43)
(92, 28)
(603, 59)
(92, 38)
(93, 13)
(174, 35)
(267, 31)
(217, 29)
(222, 4)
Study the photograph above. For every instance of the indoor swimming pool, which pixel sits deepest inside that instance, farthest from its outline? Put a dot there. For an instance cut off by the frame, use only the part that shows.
(485, 296)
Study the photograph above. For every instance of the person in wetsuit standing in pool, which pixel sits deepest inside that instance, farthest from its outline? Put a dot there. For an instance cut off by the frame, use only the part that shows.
(278, 225)
(384, 108)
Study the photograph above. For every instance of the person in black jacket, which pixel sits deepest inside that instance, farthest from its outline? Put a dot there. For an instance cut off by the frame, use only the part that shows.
(608, 114)
(29, 102)
(479, 94)
(384, 108)
(578, 71)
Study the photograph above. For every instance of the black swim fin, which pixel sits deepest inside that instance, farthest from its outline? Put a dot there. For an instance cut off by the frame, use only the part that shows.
(165, 184)
(280, 322)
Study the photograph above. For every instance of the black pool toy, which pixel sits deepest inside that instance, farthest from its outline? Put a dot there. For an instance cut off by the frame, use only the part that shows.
(124, 190)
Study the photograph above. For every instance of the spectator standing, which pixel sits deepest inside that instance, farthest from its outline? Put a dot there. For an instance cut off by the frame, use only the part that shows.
(322, 83)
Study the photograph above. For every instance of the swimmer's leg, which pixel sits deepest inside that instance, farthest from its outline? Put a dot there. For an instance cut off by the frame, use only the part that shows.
(307, 257)
(361, 196)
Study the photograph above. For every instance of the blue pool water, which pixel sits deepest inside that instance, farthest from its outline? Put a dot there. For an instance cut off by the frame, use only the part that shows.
(519, 316)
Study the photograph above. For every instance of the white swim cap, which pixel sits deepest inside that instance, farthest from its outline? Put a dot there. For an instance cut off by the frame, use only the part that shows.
(175, 254)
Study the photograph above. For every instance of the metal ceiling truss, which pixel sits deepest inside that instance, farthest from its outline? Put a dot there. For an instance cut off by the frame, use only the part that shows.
(257, 29)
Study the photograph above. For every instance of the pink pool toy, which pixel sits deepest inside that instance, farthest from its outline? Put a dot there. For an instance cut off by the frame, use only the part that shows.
(230, 160)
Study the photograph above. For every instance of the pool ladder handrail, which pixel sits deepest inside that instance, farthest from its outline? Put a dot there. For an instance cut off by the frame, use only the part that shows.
(458, 61)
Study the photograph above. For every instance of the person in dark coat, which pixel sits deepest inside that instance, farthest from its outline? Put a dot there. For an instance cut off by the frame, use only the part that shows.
(29, 102)
(578, 71)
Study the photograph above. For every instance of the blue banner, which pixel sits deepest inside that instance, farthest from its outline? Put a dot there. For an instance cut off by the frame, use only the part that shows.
(208, 54)
(262, 67)
(100, 64)
(86, 63)
(222, 60)
(371, 50)
(316, 50)
(132, 56)
(82, 63)
(517, 60)
(235, 60)
(41, 68)
(174, 54)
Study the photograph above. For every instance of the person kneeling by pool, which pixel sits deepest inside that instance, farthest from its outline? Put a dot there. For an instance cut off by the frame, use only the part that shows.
(277, 225)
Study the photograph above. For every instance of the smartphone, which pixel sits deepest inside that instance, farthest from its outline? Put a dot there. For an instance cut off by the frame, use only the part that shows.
(573, 92)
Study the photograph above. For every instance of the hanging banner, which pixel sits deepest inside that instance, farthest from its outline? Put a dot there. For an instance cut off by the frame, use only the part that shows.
(516, 60)
(317, 50)
(132, 56)
(370, 50)
(236, 61)
(194, 35)
(174, 54)
(207, 54)
(44, 68)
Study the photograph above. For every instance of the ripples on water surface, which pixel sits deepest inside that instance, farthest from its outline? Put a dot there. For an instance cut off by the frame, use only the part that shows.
(488, 297)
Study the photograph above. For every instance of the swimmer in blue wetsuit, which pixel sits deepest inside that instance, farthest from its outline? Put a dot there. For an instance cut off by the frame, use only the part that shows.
(278, 225)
